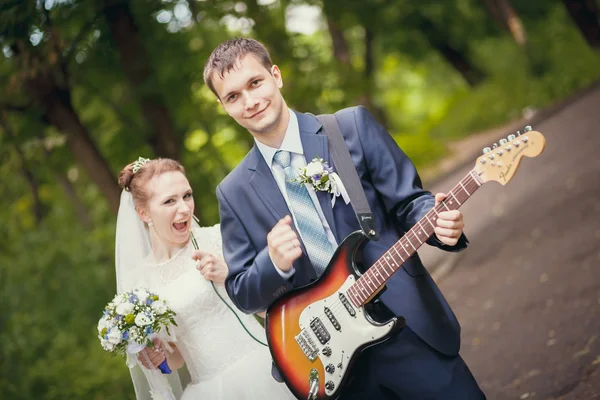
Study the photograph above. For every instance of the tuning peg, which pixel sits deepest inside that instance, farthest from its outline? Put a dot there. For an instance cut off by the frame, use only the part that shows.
(518, 133)
(486, 150)
(495, 145)
(528, 128)
(502, 142)
(511, 137)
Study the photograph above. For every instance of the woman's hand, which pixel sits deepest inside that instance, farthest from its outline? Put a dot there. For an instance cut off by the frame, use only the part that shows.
(151, 358)
(212, 268)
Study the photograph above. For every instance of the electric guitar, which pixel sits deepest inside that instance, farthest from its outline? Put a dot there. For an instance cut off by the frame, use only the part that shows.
(316, 333)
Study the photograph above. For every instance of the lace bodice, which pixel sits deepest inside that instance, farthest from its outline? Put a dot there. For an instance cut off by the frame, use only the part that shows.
(209, 335)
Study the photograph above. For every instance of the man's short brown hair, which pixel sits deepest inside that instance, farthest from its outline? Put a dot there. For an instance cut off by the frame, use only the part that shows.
(225, 56)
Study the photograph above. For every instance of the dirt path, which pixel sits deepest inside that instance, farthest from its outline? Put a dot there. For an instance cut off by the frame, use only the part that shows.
(527, 291)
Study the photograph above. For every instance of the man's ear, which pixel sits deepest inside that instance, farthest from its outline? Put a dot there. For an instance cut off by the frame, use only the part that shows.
(276, 72)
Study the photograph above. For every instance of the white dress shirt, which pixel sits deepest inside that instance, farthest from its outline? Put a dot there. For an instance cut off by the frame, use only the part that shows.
(293, 144)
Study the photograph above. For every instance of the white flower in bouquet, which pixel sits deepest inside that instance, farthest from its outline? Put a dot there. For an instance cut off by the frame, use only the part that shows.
(104, 323)
(125, 308)
(114, 335)
(119, 299)
(142, 295)
(131, 320)
(314, 168)
(159, 307)
(144, 319)
(106, 345)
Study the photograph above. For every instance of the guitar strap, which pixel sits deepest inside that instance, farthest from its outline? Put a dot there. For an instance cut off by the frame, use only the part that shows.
(347, 172)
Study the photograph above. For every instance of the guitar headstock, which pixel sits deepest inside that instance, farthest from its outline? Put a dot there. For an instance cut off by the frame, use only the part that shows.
(500, 162)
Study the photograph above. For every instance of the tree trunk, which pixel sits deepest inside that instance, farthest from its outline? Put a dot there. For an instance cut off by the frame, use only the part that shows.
(58, 110)
(339, 44)
(367, 96)
(454, 56)
(506, 16)
(138, 70)
(80, 209)
(585, 13)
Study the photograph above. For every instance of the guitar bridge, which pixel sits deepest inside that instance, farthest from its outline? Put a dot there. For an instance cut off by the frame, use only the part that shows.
(307, 344)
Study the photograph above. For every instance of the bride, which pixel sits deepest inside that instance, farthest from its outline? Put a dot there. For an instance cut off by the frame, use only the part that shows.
(216, 352)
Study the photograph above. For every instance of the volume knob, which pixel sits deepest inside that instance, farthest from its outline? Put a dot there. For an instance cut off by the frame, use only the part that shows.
(329, 385)
(327, 351)
(330, 368)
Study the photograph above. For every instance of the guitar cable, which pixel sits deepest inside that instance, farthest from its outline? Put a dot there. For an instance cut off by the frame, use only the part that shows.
(195, 244)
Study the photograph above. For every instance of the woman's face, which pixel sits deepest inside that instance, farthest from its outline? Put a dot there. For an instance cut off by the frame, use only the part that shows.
(170, 207)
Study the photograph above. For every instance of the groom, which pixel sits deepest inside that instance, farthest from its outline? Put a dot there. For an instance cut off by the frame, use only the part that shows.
(278, 235)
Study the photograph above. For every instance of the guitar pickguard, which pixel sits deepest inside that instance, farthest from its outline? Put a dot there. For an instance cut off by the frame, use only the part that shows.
(333, 329)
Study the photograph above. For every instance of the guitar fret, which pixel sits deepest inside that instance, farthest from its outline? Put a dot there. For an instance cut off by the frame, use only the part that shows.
(393, 264)
(387, 262)
(475, 178)
(461, 185)
(397, 252)
(377, 275)
(404, 248)
(459, 203)
(369, 284)
(428, 220)
(386, 272)
(409, 242)
(374, 281)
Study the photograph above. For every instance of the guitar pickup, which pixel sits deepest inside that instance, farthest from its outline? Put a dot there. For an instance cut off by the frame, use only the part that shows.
(333, 319)
(347, 304)
(320, 331)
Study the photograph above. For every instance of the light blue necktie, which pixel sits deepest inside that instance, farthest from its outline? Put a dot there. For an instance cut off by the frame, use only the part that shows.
(311, 228)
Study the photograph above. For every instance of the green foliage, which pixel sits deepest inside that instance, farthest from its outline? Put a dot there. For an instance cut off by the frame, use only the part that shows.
(57, 231)
(559, 63)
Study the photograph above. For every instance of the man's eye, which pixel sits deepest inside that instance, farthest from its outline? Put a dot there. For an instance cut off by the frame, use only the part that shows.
(255, 83)
(169, 201)
(232, 97)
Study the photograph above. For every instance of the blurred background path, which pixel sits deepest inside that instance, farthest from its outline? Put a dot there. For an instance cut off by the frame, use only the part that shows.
(527, 291)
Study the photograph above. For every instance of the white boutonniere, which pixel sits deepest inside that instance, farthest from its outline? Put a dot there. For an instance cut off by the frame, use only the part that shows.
(322, 178)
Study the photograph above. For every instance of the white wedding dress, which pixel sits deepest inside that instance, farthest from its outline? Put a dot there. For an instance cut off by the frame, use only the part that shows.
(224, 362)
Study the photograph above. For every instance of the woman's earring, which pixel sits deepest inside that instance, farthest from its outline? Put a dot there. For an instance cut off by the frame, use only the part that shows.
(150, 224)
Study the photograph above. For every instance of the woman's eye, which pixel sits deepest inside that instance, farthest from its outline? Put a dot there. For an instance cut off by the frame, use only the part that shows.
(187, 196)
(232, 98)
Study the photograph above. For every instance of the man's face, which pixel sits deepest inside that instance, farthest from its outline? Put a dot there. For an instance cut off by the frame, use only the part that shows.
(250, 94)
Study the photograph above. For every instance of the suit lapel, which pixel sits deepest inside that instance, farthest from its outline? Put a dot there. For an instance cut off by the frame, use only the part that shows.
(264, 185)
(315, 144)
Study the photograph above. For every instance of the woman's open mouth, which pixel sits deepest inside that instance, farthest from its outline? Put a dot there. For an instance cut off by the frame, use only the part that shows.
(181, 226)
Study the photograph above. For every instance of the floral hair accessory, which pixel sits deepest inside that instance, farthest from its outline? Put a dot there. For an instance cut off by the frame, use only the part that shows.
(322, 178)
(141, 161)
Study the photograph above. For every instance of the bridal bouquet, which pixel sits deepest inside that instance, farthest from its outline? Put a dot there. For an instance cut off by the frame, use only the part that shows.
(132, 320)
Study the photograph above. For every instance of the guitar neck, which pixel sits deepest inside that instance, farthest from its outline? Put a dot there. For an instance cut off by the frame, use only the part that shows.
(375, 277)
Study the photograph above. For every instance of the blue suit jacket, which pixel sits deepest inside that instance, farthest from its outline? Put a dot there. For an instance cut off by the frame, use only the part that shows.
(250, 204)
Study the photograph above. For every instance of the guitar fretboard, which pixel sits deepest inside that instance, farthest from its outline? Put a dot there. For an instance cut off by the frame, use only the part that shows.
(375, 277)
